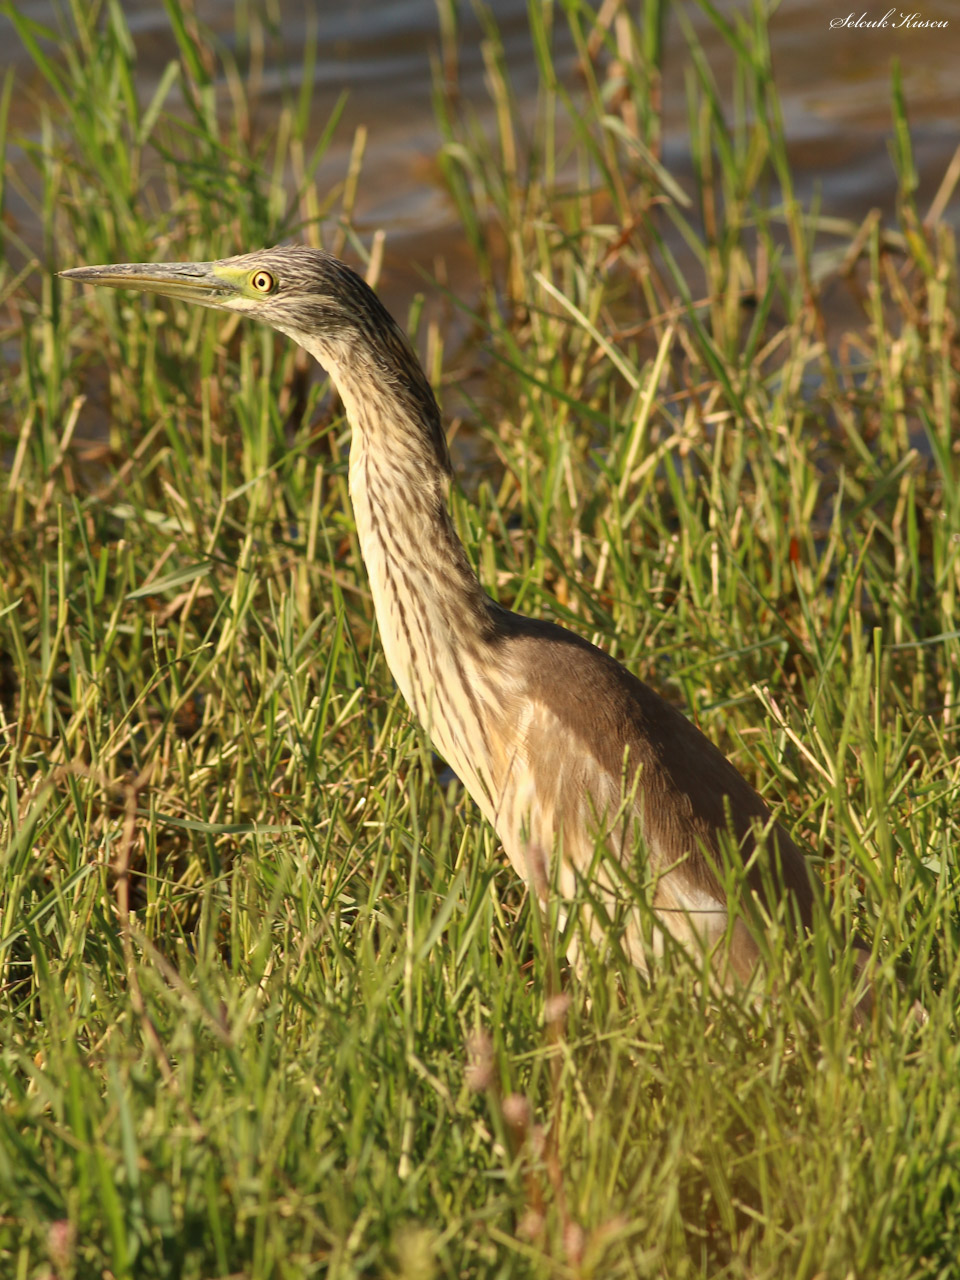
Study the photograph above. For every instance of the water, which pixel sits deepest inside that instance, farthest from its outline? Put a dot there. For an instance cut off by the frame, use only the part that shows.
(834, 87)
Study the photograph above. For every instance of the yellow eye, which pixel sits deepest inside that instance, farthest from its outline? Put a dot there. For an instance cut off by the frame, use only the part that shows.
(263, 282)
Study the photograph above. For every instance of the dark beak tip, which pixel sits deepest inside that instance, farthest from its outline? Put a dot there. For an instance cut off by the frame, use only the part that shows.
(76, 273)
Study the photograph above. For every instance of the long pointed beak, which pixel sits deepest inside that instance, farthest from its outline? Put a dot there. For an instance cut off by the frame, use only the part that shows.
(196, 281)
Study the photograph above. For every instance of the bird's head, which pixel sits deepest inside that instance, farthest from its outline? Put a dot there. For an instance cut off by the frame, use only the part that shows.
(305, 293)
(314, 299)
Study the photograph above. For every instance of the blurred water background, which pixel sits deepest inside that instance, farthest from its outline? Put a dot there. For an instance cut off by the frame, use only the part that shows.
(834, 86)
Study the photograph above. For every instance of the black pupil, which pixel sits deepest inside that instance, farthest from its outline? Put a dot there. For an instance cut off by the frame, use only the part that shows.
(262, 281)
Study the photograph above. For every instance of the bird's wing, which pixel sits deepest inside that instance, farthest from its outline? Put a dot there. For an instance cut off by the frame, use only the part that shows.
(596, 742)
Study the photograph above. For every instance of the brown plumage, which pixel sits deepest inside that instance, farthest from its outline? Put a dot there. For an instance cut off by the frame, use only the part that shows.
(564, 750)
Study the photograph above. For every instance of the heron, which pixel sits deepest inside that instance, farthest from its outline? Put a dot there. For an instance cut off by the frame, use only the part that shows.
(590, 778)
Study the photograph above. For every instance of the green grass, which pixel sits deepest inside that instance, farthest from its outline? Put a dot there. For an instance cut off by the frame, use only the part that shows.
(271, 1004)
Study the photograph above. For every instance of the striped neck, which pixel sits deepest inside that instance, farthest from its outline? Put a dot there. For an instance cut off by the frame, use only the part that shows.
(435, 620)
